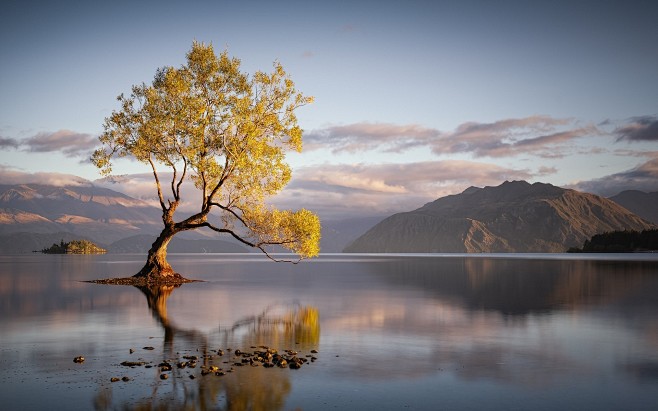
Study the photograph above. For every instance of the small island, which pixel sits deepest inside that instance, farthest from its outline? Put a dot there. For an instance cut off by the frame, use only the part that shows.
(74, 247)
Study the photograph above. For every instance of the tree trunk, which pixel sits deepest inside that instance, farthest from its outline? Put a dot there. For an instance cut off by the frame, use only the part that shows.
(157, 269)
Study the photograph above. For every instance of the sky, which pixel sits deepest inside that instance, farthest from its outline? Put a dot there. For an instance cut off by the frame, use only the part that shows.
(414, 100)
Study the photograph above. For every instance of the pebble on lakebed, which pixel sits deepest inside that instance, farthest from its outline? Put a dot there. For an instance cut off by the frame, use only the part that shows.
(258, 356)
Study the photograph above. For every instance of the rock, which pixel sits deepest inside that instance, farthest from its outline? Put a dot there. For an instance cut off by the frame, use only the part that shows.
(314, 351)
(79, 359)
(295, 365)
(192, 377)
(132, 351)
(164, 376)
(125, 379)
(115, 379)
(133, 363)
(149, 348)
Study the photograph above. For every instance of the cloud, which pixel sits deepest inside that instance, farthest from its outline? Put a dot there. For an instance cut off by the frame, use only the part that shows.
(341, 191)
(70, 143)
(543, 136)
(643, 128)
(643, 178)
(140, 186)
(10, 175)
(538, 135)
(359, 137)
(6, 143)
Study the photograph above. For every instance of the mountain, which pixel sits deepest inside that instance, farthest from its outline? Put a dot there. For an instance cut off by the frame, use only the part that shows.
(99, 214)
(337, 234)
(512, 217)
(25, 242)
(142, 243)
(643, 204)
(21, 243)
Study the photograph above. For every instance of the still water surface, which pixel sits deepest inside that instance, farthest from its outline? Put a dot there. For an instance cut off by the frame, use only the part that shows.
(484, 332)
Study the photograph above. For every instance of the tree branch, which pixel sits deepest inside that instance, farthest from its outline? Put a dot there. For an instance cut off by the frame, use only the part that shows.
(220, 183)
(231, 211)
(259, 245)
(157, 183)
(173, 180)
(182, 177)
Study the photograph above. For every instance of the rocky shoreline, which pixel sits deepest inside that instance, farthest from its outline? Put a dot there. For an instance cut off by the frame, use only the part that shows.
(219, 362)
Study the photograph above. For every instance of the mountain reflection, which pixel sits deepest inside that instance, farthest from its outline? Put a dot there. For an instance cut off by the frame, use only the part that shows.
(508, 320)
(247, 388)
(519, 286)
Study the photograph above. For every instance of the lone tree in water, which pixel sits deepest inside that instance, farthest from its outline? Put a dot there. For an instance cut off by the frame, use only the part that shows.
(224, 131)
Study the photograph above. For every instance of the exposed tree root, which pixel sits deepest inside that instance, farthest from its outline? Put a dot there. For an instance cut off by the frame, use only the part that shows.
(174, 279)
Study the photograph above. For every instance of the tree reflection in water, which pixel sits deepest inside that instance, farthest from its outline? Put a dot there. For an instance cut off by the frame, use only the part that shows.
(247, 388)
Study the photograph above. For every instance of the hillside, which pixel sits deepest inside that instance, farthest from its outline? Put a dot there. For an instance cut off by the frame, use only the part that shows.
(338, 234)
(140, 244)
(21, 243)
(96, 213)
(513, 217)
(643, 204)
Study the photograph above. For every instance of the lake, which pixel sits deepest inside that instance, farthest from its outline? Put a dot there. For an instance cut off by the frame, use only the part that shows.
(423, 332)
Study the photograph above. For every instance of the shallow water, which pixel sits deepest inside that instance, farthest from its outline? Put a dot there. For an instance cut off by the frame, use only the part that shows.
(392, 332)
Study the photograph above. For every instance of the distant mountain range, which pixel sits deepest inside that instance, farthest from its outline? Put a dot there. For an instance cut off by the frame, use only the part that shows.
(513, 217)
(34, 216)
(99, 214)
(23, 242)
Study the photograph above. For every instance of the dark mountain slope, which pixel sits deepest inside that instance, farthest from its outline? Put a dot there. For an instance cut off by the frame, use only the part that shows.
(513, 217)
(643, 204)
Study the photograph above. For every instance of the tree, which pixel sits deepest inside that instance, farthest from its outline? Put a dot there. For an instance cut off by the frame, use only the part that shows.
(225, 132)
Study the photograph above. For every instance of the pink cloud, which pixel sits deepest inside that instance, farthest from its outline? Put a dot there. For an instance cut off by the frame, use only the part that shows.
(68, 142)
(11, 176)
(542, 136)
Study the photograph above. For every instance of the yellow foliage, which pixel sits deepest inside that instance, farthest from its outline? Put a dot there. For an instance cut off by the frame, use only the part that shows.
(224, 130)
(298, 231)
